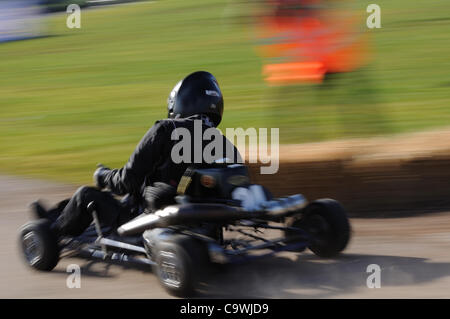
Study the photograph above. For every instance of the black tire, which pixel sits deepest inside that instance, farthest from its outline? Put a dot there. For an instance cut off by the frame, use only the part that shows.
(327, 222)
(181, 262)
(39, 245)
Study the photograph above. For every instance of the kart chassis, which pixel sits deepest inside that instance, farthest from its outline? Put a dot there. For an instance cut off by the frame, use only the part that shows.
(130, 249)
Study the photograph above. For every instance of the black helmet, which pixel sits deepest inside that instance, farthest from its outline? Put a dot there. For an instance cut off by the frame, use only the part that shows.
(198, 93)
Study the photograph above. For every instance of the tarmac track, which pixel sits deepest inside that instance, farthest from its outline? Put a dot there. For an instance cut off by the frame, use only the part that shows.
(413, 253)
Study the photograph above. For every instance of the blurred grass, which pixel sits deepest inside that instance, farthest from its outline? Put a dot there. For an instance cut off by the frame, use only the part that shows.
(82, 96)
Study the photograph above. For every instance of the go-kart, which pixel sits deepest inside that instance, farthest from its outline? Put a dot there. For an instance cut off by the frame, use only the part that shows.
(218, 218)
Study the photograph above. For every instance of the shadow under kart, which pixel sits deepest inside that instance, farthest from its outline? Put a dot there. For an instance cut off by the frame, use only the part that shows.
(208, 225)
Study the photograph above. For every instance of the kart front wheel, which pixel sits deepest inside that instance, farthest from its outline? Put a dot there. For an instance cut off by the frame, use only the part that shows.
(180, 261)
(327, 223)
(39, 245)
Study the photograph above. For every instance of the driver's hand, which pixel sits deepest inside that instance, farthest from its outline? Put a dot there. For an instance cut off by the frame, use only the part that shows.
(99, 176)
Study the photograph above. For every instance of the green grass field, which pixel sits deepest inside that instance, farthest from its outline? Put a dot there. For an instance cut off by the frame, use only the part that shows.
(83, 96)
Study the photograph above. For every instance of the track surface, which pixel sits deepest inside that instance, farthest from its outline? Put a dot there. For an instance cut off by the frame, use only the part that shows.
(413, 253)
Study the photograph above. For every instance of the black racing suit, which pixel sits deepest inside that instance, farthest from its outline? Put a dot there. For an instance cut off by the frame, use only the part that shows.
(149, 178)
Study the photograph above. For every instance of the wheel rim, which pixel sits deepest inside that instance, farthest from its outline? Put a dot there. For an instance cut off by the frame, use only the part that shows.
(170, 270)
(32, 247)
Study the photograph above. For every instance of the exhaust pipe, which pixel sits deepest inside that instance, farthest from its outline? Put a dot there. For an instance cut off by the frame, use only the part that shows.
(182, 215)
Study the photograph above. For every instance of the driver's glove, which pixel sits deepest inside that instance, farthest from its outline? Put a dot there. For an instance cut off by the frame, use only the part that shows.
(100, 175)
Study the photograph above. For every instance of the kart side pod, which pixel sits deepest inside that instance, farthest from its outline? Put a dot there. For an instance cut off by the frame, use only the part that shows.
(183, 214)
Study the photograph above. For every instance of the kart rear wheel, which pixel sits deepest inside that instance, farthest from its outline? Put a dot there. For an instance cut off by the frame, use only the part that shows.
(39, 245)
(327, 223)
(180, 261)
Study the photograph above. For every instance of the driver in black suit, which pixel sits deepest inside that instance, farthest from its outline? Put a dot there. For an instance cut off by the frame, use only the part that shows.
(150, 177)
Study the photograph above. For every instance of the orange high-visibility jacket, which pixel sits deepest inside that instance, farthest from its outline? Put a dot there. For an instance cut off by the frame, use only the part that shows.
(304, 47)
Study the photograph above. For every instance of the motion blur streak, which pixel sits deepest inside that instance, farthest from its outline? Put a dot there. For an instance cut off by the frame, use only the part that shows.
(20, 19)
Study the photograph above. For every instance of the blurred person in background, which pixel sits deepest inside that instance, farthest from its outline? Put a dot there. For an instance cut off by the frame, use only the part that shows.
(150, 177)
(306, 40)
(319, 48)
